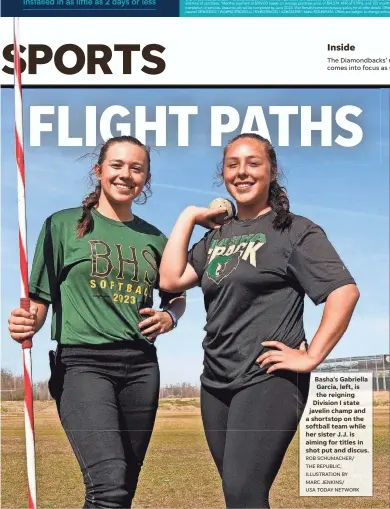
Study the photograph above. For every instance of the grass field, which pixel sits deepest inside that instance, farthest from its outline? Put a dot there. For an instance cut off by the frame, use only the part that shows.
(178, 471)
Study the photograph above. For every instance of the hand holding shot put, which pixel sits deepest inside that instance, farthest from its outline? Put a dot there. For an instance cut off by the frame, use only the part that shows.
(219, 212)
(226, 209)
(203, 216)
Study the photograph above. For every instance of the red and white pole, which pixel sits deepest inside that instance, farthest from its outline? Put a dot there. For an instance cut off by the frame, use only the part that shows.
(24, 301)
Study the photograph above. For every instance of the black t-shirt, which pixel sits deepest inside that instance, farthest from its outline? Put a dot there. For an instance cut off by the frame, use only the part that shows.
(254, 279)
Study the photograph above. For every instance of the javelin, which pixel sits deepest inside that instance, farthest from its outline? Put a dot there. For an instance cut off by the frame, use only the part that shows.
(24, 301)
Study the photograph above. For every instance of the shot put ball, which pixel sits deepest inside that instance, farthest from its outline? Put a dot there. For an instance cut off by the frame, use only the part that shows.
(223, 203)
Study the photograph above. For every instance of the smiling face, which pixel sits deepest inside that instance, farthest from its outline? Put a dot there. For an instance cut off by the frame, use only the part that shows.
(247, 173)
(123, 173)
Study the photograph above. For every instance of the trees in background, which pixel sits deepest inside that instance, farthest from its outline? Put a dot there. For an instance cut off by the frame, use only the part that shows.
(12, 389)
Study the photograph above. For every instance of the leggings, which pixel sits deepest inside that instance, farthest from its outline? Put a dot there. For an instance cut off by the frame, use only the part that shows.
(107, 399)
(248, 433)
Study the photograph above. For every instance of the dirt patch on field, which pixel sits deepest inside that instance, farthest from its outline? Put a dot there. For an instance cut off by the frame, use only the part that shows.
(381, 398)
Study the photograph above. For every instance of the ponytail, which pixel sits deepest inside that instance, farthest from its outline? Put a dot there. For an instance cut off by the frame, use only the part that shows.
(279, 202)
(85, 223)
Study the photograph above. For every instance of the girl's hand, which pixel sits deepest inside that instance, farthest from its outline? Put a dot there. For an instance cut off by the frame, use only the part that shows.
(22, 324)
(158, 322)
(288, 358)
(203, 216)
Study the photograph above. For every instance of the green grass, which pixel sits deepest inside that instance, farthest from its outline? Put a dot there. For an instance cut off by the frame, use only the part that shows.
(178, 471)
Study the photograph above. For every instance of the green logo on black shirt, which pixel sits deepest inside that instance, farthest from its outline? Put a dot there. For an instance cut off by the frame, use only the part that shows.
(222, 266)
(225, 254)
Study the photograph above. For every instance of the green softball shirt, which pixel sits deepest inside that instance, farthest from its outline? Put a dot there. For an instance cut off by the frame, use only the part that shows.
(97, 283)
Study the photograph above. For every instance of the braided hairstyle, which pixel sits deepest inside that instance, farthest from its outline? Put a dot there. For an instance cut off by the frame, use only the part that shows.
(277, 196)
(85, 223)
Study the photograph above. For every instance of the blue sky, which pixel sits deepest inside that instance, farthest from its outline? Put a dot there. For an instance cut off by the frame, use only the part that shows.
(345, 190)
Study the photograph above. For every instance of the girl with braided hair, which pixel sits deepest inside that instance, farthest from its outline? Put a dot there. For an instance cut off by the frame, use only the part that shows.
(97, 265)
(255, 271)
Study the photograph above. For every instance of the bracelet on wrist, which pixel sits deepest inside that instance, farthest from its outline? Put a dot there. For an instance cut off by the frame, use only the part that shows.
(173, 316)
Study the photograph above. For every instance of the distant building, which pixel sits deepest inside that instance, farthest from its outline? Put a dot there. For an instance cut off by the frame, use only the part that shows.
(378, 365)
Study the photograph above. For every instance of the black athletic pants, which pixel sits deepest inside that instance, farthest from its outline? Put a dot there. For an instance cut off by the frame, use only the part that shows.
(249, 431)
(107, 399)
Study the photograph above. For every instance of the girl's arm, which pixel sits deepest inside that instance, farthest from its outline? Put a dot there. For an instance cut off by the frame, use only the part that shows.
(336, 316)
(24, 324)
(177, 305)
(176, 274)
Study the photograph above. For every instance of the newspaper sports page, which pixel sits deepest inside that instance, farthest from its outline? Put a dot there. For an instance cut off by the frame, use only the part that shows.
(195, 214)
